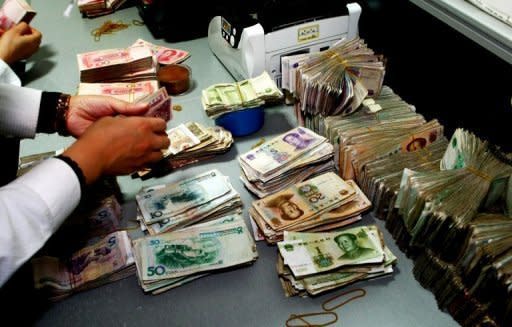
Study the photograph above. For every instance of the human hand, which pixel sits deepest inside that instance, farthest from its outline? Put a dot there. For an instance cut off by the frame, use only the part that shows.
(86, 109)
(19, 42)
(119, 145)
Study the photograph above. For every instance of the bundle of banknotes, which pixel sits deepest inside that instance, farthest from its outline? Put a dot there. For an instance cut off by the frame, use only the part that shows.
(169, 260)
(109, 259)
(130, 64)
(334, 81)
(169, 207)
(219, 99)
(285, 160)
(13, 12)
(322, 203)
(94, 8)
(313, 263)
(190, 143)
(164, 55)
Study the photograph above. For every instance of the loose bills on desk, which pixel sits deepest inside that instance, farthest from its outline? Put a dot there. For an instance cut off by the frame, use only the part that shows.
(312, 263)
(322, 203)
(285, 160)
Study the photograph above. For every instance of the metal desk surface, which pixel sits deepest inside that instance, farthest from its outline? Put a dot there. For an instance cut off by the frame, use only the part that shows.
(249, 296)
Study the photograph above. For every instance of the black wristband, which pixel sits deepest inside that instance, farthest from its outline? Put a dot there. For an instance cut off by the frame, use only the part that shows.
(47, 112)
(76, 168)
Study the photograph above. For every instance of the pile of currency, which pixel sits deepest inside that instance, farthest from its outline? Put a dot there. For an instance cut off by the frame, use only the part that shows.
(124, 91)
(170, 207)
(190, 143)
(322, 203)
(312, 263)
(222, 98)
(168, 260)
(131, 64)
(285, 160)
(164, 56)
(109, 259)
(433, 205)
(13, 12)
(334, 81)
(94, 8)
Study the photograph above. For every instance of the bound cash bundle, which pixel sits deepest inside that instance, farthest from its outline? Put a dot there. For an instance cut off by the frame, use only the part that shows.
(334, 81)
(222, 98)
(94, 8)
(285, 160)
(13, 12)
(475, 287)
(312, 263)
(190, 143)
(169, 260)
(173, 206)
(321, 203)
(107, 260)
(131, 64)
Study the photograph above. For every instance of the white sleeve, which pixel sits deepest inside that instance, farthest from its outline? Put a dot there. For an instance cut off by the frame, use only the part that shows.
(31, 209)
(19, 110)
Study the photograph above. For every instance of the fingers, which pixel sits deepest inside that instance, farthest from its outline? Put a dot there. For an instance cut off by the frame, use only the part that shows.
(22, 28)
(132, 109)
(160, 142)
(158, 125)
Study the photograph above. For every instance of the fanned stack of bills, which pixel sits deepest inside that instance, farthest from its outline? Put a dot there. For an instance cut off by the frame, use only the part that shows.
(312, 263)
(222, 98)
(173, 206)
(168, 260)
(190, 143)
(107, 260)
(13, 12)
(164, 56)
(285, 160)
(117, 65)
(124, 91)
(94, 8)
(322, 203)
(159, 104)
(337, 80)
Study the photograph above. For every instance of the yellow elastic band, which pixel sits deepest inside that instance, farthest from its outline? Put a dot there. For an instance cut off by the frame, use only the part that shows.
(313, 314)
(361, 291)
(478, 173)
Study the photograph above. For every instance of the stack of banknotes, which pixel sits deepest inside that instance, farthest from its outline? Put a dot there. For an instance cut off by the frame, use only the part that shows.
(219, 99)
(13, 12)
(130, 64)
(190, 143)
(475, 287)
(313, 263)
(169, 207)
(334, 81)
(322, 203)
(94, 8)
(164, 55)
(109, 259)
(169, 260)
(138, 92)
(285, 160)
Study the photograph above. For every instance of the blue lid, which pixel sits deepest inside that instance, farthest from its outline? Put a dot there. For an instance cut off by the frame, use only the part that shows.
(243, 122)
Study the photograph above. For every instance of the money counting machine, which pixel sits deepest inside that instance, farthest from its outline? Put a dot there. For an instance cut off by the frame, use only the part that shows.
(247, 44)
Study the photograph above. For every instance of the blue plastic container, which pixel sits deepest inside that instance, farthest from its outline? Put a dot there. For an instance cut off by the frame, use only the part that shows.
(243, 122)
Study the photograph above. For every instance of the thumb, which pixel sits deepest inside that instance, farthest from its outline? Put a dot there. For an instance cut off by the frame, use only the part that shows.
(22, 28)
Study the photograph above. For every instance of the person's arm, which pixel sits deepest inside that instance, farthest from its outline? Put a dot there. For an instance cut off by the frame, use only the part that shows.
(31, 209)
(34, 205)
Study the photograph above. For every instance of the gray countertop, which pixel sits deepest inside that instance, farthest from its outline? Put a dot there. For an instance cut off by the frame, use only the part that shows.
(249, 296)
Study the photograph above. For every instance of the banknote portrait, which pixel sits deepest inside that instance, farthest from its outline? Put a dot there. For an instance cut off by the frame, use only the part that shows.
(288, 210)
(351, 248)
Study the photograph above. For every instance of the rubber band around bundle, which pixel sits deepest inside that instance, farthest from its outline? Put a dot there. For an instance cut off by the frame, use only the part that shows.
(479, 173)
(301, 317)
(423, 154)
(362, 294)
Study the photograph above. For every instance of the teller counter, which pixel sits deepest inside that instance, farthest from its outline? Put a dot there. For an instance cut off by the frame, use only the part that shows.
(248, 296)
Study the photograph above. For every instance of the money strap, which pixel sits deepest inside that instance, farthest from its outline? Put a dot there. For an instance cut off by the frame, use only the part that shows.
(61, 114)
(479, 173)
(313, 314)
(361, 291)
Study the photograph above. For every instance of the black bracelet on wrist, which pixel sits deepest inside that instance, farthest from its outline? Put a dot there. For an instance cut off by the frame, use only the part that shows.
(76, 168)
(61, 114)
